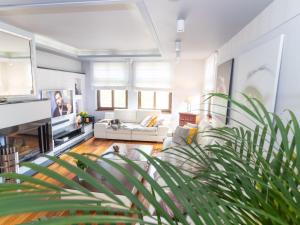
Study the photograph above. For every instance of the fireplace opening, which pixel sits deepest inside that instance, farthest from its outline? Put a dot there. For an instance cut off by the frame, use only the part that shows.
(30, 140)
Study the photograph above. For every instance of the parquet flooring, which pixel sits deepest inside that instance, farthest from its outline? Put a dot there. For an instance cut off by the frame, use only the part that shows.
(95, 146)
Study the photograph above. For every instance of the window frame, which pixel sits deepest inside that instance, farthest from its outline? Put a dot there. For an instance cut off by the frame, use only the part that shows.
(99, 108)
(169, 110)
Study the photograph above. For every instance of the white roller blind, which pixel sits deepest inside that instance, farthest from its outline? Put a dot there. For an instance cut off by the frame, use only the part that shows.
(110, 74)
(152, 75)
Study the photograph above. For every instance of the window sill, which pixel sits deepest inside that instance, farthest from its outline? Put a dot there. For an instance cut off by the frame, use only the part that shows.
(166, 113)
(108, 110)
(104, 110)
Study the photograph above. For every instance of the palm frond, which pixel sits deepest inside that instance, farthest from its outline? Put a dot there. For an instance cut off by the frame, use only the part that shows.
(248, 175)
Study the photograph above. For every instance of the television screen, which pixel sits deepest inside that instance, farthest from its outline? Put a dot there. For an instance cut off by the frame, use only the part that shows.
(61, 102)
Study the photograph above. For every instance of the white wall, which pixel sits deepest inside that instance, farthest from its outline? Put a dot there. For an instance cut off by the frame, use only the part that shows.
(54, 61)
(47, 79)
(11, 113)
(187, 82)
(61, 74)
(281, 17)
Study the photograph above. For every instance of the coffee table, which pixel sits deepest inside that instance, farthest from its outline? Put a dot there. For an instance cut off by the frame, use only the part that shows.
(128, 150)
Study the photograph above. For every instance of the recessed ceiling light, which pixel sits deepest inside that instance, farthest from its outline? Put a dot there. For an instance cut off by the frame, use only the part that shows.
(180, 25)
(177, 45)
(178, 50)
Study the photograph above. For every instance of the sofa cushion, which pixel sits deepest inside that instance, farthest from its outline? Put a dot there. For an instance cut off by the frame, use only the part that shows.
(142, 114)
(122, 130)
(168, 143)
(125, 128)
(162, 131)
(204, 125)
(180, 135)
(146, 121)
(149, 131)
(192, 125)
(125, 115)
(131, 126)
(159, 122)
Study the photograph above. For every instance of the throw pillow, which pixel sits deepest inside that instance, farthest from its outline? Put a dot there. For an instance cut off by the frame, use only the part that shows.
(192, 134)
(146, 121)
(152, 121)
(191, 125)
(180, 135)
(159, 122)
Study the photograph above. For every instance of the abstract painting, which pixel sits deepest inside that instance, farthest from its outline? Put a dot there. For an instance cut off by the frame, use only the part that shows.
(257, 73)
(221, 108)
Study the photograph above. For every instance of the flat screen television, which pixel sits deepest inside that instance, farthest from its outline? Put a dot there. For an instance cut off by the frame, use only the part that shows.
(61, 102)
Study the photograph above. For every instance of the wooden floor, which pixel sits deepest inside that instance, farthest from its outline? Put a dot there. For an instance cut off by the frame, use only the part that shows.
(95, 146)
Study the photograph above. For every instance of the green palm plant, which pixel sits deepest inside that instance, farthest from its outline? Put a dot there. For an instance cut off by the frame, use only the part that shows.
(248, 175)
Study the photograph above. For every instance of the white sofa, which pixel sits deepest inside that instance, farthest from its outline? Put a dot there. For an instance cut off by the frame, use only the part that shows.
(201, 139)
(203, 126)
(179, 160)
(131, 129)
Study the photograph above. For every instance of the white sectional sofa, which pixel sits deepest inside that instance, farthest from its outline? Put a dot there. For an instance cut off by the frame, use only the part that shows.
(131, 129)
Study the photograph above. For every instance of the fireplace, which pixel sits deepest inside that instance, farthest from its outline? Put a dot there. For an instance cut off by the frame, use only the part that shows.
(30, 140)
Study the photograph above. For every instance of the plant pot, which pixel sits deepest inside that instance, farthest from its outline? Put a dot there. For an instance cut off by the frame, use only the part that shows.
(79, 178)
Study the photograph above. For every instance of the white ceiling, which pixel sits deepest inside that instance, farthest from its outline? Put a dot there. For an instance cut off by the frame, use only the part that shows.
(209, 23)
(135, 27)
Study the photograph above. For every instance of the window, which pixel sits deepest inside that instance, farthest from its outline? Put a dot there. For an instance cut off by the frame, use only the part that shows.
(152, 74)
(161, 100)
(110, 74)
(112, 99)
(110, 78)
(153, 80)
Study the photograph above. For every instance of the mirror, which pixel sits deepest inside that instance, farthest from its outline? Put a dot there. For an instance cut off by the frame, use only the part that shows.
(16, 77)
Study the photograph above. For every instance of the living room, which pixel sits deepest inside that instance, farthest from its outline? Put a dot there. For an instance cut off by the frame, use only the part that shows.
(149, 112)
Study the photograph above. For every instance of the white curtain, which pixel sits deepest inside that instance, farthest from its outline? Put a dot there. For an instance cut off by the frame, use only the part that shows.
(110, 74)
(210, 72)
(152, 76)
(210, 79)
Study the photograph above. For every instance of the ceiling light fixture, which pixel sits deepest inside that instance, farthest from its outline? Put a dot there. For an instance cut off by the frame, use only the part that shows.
(178, 46)
(178, 49)
(180, 25)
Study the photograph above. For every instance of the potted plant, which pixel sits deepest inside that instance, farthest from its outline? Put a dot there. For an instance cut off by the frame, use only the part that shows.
(85, 117)
(81, 165)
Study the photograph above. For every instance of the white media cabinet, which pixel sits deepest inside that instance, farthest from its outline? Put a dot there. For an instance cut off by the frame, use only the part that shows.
(71, 136)
(86, 132)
